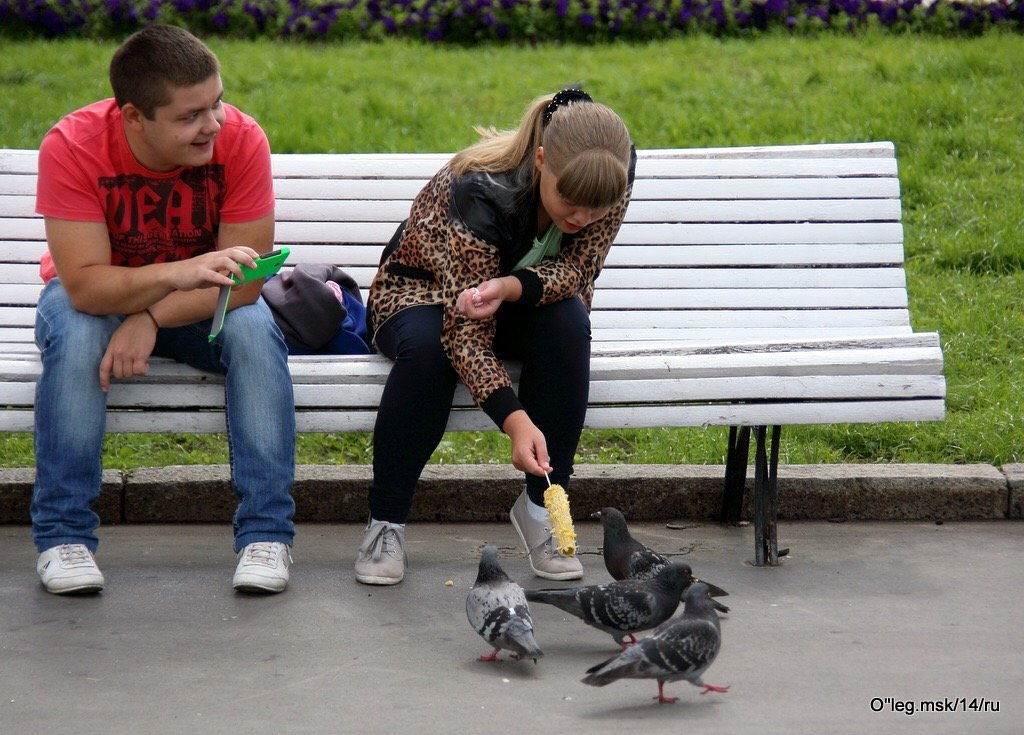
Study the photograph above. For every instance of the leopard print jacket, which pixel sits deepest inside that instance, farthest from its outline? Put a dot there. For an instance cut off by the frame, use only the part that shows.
(460, 233)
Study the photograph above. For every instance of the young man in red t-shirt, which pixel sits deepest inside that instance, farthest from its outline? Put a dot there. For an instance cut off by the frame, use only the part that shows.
(151, 200)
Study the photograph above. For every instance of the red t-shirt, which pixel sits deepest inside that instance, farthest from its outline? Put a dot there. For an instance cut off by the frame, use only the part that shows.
(87, 173)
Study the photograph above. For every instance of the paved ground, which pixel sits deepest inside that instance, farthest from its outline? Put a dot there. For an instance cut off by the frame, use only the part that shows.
(862, 617)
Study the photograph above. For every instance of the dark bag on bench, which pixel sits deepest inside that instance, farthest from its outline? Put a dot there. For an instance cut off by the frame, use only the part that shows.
(319, 309)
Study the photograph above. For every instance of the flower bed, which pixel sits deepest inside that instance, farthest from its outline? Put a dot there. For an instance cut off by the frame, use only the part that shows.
(473, 21)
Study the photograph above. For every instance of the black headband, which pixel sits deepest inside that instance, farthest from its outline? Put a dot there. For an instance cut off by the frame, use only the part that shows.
(563, 98)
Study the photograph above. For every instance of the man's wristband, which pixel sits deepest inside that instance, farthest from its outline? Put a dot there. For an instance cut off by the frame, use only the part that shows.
(155, 322)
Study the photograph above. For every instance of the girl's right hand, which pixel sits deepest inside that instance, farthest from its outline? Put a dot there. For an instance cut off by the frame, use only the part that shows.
(529, 447)
(480, 302)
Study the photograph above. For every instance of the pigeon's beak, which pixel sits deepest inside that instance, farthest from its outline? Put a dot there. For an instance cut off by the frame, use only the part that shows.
(713, 589)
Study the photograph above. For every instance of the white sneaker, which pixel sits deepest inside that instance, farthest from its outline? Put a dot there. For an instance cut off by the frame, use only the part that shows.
(262, 567)
(69, 569)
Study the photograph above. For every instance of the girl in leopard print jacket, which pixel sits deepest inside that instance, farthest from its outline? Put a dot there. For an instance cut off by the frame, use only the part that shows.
(497, 259)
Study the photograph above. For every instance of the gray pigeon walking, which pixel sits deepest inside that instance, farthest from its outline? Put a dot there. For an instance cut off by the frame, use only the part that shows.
(682, 648)
(622, 608)
(497, 609)
(627, 558)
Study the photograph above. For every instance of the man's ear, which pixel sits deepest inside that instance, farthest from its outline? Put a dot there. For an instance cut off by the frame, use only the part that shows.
(132, 116)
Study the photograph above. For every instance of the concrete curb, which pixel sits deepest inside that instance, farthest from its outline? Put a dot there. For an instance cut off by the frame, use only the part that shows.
(475, 493)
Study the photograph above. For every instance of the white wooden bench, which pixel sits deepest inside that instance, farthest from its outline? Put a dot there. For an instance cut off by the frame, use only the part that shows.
(748, 287)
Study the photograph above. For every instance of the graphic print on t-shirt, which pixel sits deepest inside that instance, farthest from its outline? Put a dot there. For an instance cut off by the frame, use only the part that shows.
(156, 220)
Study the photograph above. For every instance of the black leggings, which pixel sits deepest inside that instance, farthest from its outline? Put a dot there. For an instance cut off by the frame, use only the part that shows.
(553, 343)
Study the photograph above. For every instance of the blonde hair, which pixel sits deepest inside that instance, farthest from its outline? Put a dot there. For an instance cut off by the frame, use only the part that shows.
(586, 147)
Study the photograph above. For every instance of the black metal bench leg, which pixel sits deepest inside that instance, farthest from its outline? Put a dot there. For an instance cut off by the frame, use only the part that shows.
(766, 471)
(735, 474)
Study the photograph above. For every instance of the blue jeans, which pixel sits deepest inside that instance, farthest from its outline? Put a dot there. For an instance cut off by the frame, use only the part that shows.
(70, 417)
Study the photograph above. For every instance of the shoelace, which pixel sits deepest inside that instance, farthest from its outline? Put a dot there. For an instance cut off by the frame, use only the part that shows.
(546, 543)
(74, 555)
(548, 546)
(261, 553)
(386, 541)
(551, 548)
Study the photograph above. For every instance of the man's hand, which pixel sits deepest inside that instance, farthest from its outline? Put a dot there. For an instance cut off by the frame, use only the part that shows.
(529, 447)
(129, 349)
(212, 269)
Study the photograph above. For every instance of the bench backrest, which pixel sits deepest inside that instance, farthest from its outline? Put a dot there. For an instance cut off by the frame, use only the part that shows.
(723, 244)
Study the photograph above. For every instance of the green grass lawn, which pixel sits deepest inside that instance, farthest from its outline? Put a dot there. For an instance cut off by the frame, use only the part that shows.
(951, 106)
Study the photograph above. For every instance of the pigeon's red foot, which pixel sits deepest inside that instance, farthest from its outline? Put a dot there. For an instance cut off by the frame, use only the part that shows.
(493, 656)
(627, 643)
(662, 699)
(713, 688)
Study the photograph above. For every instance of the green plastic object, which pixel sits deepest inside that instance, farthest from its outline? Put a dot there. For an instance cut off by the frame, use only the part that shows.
(266, 266)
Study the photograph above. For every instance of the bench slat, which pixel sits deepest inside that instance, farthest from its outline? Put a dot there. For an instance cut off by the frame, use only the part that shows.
(660, 211)
(19, 228)
(16, 342)
(750, 298)
(17, 192)
(351, 254)
(643, 189)
(635, 234)
(599, 418)
(751, 321)
(871, 149)
(24, 161)
(914, 354)
(665, 165)
(615, 278)
(676, 299)
(347, 397)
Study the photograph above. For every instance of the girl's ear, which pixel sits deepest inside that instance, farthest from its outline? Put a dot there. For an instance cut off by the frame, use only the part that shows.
(538, 158)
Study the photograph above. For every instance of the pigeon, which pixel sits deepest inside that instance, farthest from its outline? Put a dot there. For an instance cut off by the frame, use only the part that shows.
(497, 609)
(682, 648)
(625, 607)
(627, 558)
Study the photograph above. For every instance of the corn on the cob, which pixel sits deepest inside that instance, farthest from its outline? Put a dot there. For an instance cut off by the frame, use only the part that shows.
(557, 504)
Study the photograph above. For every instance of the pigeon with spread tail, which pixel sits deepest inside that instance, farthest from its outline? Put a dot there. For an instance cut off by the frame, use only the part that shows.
(681, 649)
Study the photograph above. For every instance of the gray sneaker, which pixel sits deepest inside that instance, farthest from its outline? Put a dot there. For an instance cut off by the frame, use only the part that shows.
(544, 558)
(69, 569)
(262, 567)
(381, 557)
